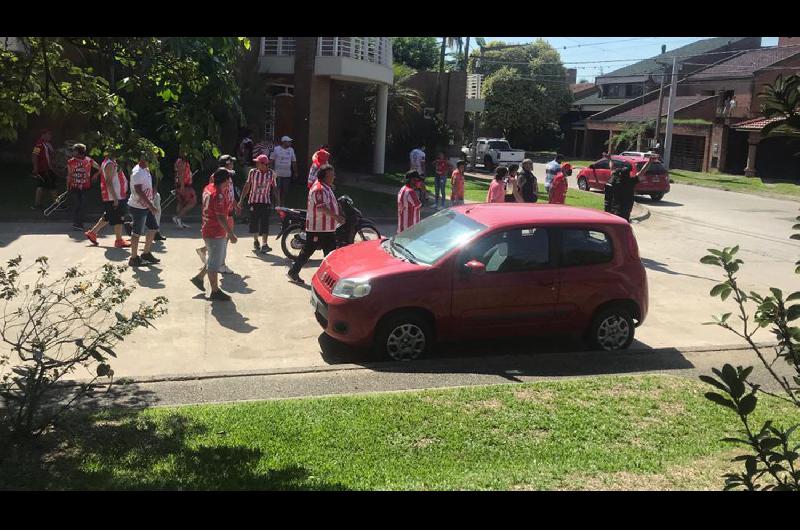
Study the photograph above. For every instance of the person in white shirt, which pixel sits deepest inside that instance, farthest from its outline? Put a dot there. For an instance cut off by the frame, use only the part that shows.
(284, 162)
(143, 211)
(417, 159)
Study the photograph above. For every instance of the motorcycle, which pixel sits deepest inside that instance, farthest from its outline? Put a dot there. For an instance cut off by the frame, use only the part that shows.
(355, 229)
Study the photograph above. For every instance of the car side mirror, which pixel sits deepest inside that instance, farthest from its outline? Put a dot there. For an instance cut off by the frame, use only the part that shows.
(475, 267)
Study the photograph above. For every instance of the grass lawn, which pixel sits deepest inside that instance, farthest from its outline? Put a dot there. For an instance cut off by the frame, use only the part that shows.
(475, 189)
(636, 432)
(735, 183)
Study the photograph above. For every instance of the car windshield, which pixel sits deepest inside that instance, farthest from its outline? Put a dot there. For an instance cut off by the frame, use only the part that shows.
(502, 146)
(432, 238)
(656, 168)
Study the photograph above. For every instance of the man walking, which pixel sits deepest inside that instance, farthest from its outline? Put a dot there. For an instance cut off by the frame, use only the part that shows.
(322, 219)
(184, 192)
(284, 162)
(42, 159)
(551, 170)
(217, 230)
(143, 211)
(79, 180)
(258, 189)
(114, 192)
(526, 182)
(319, 159)
(408, 202)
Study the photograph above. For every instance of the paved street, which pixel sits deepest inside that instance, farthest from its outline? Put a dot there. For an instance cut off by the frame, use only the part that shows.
(270, 324)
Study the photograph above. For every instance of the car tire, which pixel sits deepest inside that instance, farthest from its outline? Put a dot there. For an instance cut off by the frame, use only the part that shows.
(583, 184)
(487, 163)
(656, 196)
(612, 329)
(403, 337)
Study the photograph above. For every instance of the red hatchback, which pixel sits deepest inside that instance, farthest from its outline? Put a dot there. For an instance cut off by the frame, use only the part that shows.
(654, 183)
(484, 271)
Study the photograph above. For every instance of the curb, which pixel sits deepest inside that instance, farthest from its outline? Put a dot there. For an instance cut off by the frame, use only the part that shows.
(347, 367)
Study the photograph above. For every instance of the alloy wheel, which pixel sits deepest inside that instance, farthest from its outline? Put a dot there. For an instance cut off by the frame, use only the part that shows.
(406, 342)
(613, 333)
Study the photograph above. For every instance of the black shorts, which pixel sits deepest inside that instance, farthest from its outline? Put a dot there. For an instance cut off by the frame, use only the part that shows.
(47, 180)
(259, 218)
(114, 215)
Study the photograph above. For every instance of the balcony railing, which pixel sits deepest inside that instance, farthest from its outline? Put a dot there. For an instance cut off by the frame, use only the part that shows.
(376, 50)
(474, 83)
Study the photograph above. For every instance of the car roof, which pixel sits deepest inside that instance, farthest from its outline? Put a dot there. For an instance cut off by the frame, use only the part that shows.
(498, 215)
(629, 158)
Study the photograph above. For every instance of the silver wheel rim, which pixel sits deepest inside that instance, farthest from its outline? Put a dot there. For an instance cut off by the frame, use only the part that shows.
(582, 185)
(405, 342)
(613, 332)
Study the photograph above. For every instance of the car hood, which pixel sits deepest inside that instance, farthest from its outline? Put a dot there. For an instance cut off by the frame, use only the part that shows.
(364, 260)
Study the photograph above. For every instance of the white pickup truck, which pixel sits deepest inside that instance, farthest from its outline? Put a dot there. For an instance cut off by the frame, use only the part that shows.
(494, 152)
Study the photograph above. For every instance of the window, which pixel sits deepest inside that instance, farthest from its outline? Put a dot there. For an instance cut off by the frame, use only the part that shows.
(429, 240)
(584, 247)
(501, 146)
(519, 250)
(601, 164)
(656, 168)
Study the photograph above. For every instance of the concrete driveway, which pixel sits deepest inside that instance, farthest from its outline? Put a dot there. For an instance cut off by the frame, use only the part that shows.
(270, 325)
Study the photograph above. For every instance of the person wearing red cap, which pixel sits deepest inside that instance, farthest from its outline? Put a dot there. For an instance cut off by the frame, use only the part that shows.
(259, 186)
(320, 158)
(42, 159)
(184, 192)
(558, 186)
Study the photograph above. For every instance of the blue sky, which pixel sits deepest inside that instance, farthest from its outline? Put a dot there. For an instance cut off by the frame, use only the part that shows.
(609, 53)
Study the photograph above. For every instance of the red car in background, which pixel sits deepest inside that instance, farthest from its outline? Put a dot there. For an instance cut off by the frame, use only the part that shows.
(481, 271)
(654, 183)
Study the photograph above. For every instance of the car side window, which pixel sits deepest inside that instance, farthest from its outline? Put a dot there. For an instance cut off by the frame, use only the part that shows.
(601, 164)
(518, 250)
(618, 164)
(584, 247)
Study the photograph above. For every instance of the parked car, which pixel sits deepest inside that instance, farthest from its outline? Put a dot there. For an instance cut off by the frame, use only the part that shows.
(494, 152)
(484, 271)
(654, 183)
(643, 154)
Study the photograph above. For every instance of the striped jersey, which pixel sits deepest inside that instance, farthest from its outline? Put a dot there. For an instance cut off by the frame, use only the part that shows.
(118, 181)
(183, 170)
(79, 172)
(321, 195)
(261, 184)
(408, 208)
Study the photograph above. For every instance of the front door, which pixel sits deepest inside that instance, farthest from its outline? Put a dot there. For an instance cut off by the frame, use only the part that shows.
(517, 292)
(284, 116)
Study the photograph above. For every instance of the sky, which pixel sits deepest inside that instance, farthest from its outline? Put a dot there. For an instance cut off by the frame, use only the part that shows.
(601, 55)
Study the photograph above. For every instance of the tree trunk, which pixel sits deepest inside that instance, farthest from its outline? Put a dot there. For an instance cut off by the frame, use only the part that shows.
(441, 57)
(466, 55)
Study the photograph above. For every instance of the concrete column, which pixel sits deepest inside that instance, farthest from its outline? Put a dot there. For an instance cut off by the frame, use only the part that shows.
(750, 169)
(380, 129)
(610, 137)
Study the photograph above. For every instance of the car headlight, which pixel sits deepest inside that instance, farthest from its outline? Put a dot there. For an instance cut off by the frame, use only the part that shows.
(352, 288)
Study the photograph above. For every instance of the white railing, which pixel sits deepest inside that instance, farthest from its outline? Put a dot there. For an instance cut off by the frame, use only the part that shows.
(474, 82)
(377, 50)
(279, 46)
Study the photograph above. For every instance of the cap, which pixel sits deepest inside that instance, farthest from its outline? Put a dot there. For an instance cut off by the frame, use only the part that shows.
(286, 139)
(411, 175)
(262, 159)
(224, 159)
(565, 166)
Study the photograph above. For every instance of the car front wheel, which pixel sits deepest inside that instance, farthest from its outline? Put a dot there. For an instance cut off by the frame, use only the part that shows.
(403, 337)
(583, 185)
(612, 329)
(656, 196)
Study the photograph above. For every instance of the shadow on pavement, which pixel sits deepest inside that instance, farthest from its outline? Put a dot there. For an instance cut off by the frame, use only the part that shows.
(229, 317)
(529, 356)
(658, 266)
(148, 276)
(233, 283)
(658, 204)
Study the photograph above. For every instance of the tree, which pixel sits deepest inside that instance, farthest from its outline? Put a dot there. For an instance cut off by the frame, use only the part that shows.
(782, 102)
(419, 53)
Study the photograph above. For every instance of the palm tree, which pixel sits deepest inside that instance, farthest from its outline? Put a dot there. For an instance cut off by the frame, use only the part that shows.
(466, 56)
(782, 101)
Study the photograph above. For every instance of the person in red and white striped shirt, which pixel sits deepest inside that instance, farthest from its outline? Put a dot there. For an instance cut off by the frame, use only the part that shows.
(114, 192)
(259, 186)
(322, 219)
(408, 203)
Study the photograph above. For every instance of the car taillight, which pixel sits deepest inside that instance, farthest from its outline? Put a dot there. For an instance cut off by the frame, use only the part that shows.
(633, 246)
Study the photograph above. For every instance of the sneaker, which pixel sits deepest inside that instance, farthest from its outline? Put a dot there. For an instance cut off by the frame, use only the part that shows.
(220, 296)
(159, 237)
(121, 243)
(184, 225)
(198, 282)
(295, 278)
(91, 236)
(177, 221)
(135, 262)
(265, 249)
(201, 252)
(225, 269)
(149, 258)
(256, 245)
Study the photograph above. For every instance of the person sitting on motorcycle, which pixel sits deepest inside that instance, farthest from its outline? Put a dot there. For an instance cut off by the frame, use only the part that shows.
(322, 219)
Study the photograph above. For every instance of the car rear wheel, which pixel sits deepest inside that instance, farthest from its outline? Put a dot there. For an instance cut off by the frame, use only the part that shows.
(612, 329)
(656, 196)
(583, 184)
(403, 337)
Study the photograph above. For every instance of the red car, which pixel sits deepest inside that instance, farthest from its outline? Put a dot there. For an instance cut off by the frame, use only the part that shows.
(654, 183)
(484, 271)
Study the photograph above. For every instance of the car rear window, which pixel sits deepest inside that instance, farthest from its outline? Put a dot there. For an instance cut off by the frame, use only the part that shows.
(503, 146)
(584, 247)
(656, 168)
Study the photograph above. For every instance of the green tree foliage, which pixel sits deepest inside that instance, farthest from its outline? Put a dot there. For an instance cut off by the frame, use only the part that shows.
(628, 137)
(419, 53)
(782, 101)
(526, 91)
(135, 93)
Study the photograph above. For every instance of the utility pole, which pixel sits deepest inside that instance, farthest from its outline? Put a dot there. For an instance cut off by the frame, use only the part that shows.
(661, 95)
(671, 112)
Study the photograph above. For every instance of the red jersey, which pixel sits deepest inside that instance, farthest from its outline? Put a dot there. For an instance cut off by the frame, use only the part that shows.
(215, 202)
(408, 208)
(261, 184)
(558, 189)
(119, 182)
(183, 170)
(457, 186)
(79, 172)
(43, 151)
(231, 197)
(321, 195)
(441, 167)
